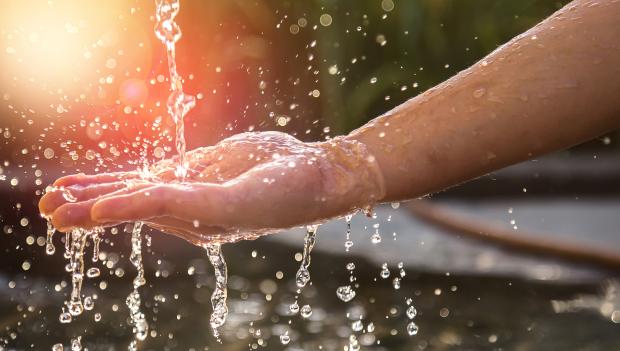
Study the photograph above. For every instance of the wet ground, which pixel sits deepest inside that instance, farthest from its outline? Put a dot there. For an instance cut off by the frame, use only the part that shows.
(455, 311)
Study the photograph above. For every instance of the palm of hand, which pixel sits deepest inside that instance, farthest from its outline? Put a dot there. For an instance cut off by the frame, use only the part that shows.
(245, 186)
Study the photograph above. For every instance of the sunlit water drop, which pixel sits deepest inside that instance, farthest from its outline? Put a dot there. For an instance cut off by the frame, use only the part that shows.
(285, 338)
(412, 328)
(345, 293)
(93, 272)
(76, 344)
(411, 312)
(306, 311)
(294, 307)
(385, 272)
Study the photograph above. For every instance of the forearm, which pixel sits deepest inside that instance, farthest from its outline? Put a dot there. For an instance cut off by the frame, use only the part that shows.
(553, 87)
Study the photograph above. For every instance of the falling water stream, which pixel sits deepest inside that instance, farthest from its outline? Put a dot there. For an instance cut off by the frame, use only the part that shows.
(179, 104)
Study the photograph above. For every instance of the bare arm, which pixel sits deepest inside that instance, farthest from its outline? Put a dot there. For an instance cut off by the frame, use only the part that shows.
(552, 87)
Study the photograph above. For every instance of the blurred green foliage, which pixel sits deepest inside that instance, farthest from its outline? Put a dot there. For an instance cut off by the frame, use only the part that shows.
(426, 42)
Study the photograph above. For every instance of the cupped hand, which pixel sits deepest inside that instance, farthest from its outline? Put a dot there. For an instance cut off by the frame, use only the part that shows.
(242, 187)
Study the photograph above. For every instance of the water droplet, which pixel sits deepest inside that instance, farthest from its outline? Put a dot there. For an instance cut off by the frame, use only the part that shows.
(396, 283)
(93, 272)
(375, 238)
(306, 311)
(76, 344)
(411, 312)
(478, 93)
(89, 304)
(58, 347)
(345, 293)
(294, 307)
(348, 244)
(65, 318)
(412, 328)
(385, 272)
(285, 338)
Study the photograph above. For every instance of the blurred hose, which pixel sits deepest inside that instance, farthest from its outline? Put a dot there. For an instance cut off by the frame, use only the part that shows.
(529, 243)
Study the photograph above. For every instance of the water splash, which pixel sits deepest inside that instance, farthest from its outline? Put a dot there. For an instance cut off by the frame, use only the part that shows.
(220, 293)
(140, 325)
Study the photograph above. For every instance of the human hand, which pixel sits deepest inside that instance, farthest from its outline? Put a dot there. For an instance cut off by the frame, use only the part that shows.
(242, 187)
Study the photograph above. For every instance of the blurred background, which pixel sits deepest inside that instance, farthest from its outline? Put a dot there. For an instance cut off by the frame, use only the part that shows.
(83, 86)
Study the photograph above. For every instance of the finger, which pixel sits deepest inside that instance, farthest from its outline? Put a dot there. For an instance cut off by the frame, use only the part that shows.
(155, 201)
(77, 214)
(60, 196)
(86, 179)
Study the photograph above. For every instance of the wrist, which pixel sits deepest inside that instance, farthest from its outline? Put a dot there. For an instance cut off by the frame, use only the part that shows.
(351, 174)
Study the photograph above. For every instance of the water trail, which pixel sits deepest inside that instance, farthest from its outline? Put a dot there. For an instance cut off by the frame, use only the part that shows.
(96, 241)
(220, 293)
(140, 326)
(348, 242)
(303, 274)
(412, 328)
(50, 249)
(179, 104)
(76, 263)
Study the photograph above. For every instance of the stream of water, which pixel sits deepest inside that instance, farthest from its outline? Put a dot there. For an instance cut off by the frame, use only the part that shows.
(179, 104)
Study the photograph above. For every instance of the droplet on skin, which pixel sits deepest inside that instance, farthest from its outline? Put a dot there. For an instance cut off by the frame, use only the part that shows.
(478, 93)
